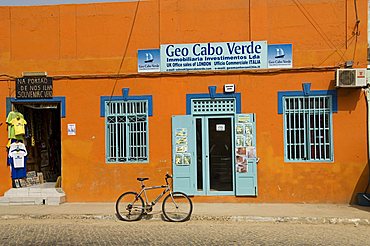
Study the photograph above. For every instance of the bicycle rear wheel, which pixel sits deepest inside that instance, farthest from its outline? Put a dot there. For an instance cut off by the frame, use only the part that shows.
(177, 207)
(130, 206)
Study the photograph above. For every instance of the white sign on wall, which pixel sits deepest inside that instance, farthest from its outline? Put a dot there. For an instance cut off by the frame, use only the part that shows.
(220, 127)
(71, 129)
(213, 56)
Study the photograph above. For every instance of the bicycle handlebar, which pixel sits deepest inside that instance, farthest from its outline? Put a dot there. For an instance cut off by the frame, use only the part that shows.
(168, 176)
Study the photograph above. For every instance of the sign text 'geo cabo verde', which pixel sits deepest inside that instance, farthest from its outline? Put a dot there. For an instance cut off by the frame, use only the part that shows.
(214, 56)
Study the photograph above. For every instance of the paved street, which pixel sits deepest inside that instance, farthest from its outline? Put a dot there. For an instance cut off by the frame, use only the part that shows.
(111, 232)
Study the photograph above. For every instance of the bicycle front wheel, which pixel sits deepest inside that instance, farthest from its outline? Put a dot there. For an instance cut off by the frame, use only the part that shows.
(177, 207)
(130, 206)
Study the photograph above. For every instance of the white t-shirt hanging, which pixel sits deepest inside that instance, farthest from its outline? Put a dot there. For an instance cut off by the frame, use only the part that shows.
(18, 152)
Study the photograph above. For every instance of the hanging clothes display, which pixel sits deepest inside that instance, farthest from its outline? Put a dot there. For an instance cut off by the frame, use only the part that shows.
(16, 125)
(17, 159)
(17, 152)
(19, 126)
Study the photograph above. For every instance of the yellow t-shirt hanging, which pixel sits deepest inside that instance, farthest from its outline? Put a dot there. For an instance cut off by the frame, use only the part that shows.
(18, 124)
(13, 115)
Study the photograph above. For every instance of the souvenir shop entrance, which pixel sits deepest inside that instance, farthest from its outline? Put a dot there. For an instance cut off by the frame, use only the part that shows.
(42, 138)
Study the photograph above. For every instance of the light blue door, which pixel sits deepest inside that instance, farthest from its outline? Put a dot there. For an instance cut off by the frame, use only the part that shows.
(245, 155)
(183, 154)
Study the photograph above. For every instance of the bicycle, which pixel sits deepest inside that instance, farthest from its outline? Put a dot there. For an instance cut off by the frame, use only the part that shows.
(176, 206)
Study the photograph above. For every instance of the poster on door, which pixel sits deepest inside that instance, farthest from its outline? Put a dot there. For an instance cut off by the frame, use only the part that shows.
(244, 142)
(182, 156)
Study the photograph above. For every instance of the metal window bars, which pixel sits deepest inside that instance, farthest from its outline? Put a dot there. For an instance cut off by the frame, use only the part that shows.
(127, 131)
(308, 131)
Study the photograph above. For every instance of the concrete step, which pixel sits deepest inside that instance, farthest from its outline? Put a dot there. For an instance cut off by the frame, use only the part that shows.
(34, 195)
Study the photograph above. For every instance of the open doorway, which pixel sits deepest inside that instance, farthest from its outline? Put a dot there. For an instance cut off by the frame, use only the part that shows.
(42, 138)
(214, 145)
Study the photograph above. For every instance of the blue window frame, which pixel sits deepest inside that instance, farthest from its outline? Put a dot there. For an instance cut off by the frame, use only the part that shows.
(308, 133)
(126, 127)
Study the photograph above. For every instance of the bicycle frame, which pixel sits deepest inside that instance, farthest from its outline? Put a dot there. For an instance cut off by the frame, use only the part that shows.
(131, 206)
(148, 204)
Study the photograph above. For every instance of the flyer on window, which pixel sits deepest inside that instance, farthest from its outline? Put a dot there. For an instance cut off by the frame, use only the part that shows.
(244, 143)
(248, 129)
(187, 159)
(251, 152)
(182, 157)
(239, 128)
(244, 118)
(178, 159)
(181, 148)
(181, 132)
(181, 140)
(241, 164)
(240, 141)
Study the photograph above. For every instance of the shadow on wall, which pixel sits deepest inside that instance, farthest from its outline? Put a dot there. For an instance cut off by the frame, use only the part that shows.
(348, 98)
(361, 186)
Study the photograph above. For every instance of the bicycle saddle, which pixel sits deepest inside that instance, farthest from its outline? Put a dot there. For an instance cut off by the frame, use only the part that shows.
(142, 179)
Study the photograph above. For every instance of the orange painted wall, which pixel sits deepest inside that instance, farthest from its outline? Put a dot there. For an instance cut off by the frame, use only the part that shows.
(91, 39)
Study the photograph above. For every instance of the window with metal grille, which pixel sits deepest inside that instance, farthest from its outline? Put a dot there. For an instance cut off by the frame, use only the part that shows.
(308, 128)
(126, 131)
(215, 106)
